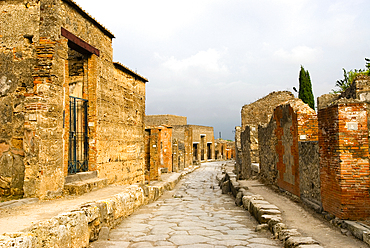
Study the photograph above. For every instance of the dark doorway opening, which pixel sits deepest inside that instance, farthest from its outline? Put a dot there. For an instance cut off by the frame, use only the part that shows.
(195, 152)
(209, 151)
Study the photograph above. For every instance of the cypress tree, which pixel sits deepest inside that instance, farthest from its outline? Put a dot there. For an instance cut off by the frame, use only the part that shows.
(305, 88)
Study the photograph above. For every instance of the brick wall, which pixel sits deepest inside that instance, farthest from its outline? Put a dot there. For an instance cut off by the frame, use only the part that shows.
(344, 162)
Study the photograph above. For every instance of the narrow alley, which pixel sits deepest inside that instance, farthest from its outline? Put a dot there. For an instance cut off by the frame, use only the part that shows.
(194, 214)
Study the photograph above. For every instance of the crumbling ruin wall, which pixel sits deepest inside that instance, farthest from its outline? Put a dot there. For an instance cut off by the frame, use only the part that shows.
(17, 60)
(230, 149)
(344, 161)
(175, 155)
(268, 156)
(178, 134)
(220, 149)
(238, 152)
(309, 171)
(259, 113)
(292, 123)
(246, 170)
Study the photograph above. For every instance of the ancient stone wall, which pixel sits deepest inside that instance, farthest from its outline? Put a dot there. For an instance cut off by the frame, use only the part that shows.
(178, 134)
(170, 120)
(120, 132)
(309, 171)
(259, 113)
(268, 157)
(42, 44)
(175, 156)
(203, 138)
(17, 33)
(230, 150)
(344, 162)
(188, 144)
(220, 149)
(246, 171)
(291, 123)
(238, 152)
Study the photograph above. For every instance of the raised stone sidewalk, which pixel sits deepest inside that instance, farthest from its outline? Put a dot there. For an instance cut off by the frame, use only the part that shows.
(270, 216)
(267, 214)
(74, 222)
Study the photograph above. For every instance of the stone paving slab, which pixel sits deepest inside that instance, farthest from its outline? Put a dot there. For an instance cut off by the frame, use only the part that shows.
(203, 217)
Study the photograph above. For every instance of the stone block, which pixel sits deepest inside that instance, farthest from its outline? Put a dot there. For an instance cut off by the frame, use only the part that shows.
(266, 218)
(277, 228)
(65, 230)
(273, 221)
(366, 237)
(104, 233)
(262, 227)
(292, 242)
(356, 229)
(247, 199)
(309, 246)
(256, 205)
(225, 187)
(20, 240)
(238, 199)
(286, 233)
(266, 213)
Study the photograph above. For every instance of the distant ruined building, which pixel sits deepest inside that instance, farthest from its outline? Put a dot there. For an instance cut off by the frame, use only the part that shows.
(190, 143)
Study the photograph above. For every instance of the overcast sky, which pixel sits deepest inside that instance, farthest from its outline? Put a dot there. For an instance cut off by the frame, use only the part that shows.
(205, 59)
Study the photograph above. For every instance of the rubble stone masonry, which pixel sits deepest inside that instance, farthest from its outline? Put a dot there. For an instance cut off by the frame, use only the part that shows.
(291, 124)
(344, 162)
(259, 113)
(256, 114)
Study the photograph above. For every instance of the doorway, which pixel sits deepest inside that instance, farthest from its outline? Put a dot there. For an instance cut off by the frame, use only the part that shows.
(78, 148)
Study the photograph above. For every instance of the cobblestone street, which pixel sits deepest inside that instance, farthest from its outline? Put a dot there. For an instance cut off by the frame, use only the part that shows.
(194, 214)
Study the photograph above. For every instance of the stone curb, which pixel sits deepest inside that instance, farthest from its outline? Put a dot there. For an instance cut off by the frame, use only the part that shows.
(93, 219)
(267, 214)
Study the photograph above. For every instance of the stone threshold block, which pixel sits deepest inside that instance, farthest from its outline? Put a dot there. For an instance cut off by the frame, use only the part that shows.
(83, 182)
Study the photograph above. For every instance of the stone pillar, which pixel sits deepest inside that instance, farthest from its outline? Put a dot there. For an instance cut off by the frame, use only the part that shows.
(43, 135)
(154, 146)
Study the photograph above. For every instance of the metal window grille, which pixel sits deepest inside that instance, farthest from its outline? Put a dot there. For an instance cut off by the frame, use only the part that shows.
(78, 160)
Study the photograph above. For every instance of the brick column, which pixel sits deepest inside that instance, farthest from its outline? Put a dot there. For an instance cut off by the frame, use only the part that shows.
(344, 162)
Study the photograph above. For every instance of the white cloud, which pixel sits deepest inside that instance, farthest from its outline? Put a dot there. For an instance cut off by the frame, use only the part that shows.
(156, 19)
(209, 61)
(299, 55)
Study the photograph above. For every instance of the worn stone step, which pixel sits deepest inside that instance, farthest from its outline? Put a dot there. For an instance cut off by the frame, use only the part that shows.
(81, 176)
(87, 184)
